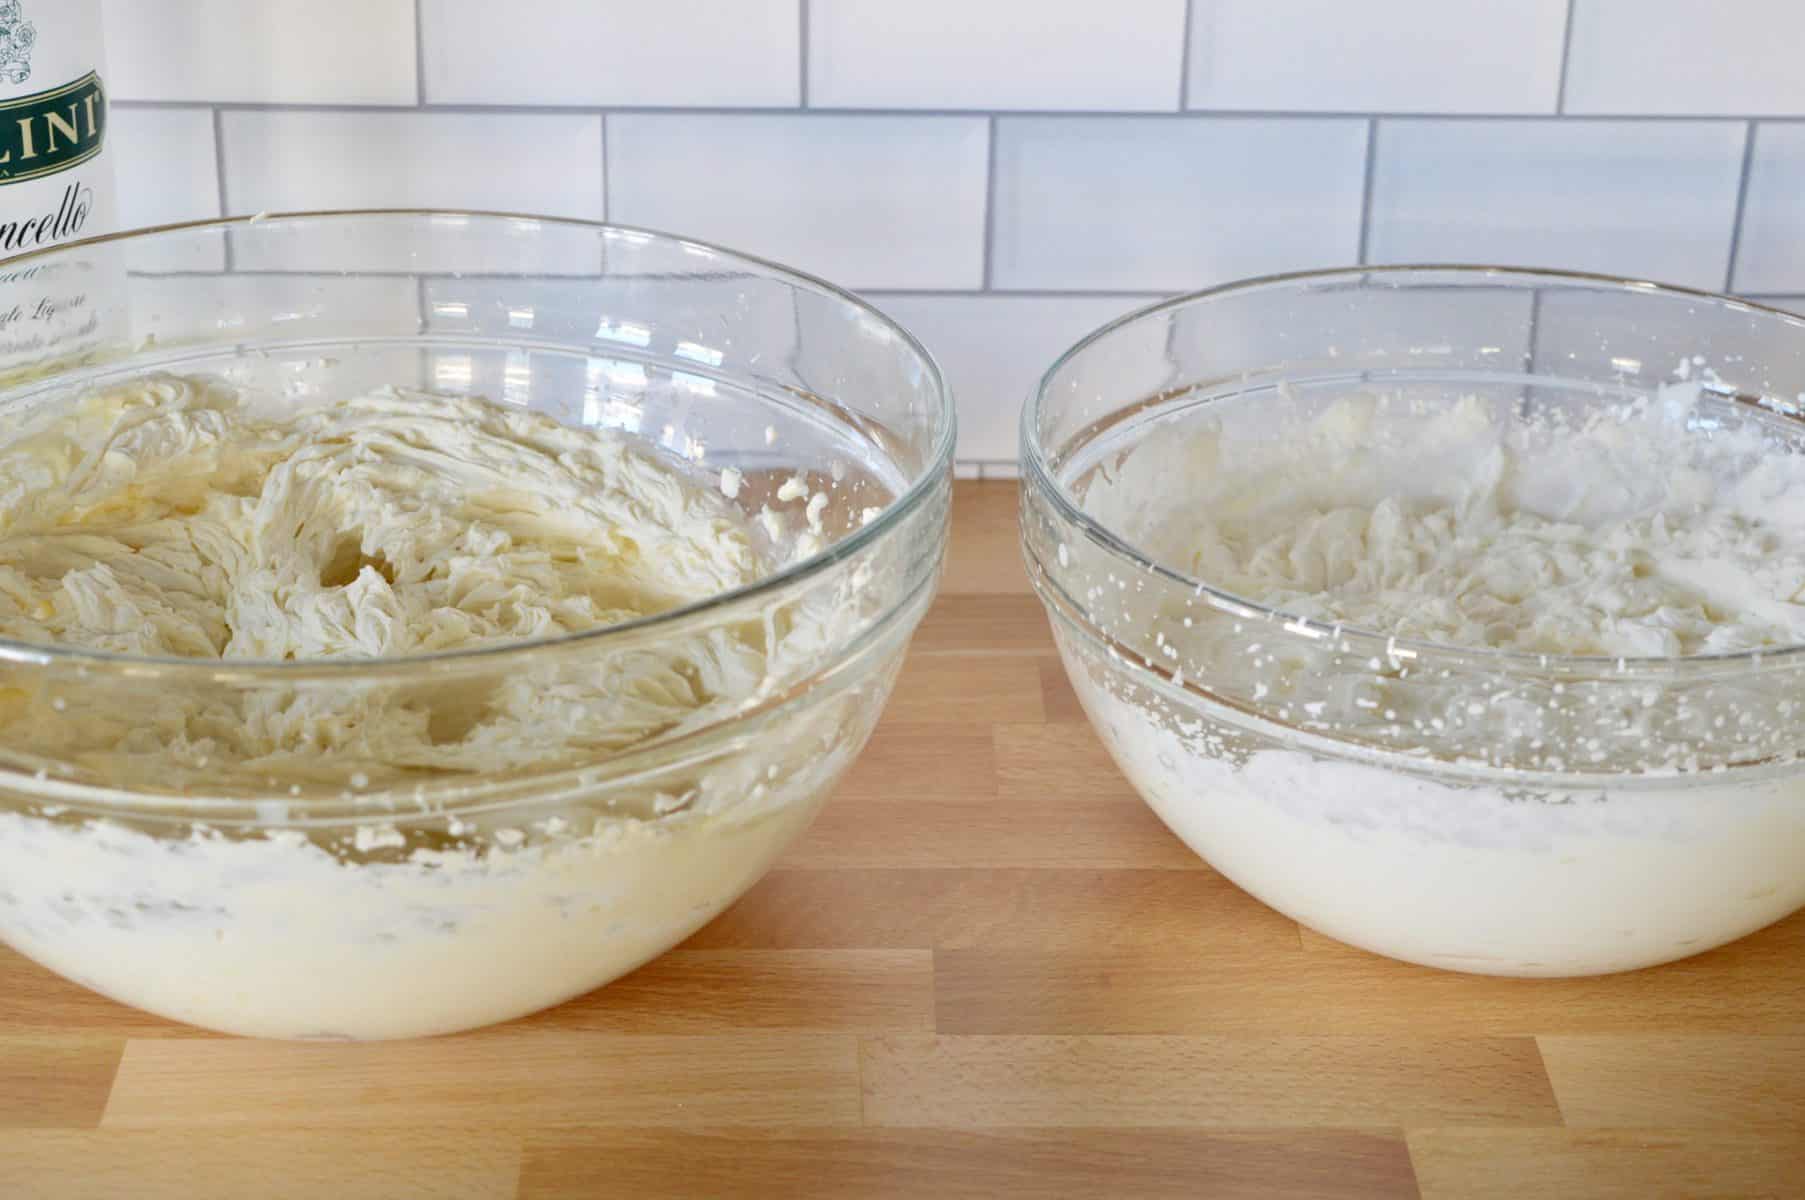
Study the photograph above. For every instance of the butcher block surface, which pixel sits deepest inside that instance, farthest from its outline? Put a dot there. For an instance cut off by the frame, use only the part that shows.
(989, 971)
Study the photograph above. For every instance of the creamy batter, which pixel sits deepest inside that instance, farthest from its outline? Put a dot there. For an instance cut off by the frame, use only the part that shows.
(480, 861)
(1390, 799)
(167, 517)
(164, 518)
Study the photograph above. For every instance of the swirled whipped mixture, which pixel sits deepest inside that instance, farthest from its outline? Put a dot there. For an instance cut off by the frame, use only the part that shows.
(167, 516)
(163, 518)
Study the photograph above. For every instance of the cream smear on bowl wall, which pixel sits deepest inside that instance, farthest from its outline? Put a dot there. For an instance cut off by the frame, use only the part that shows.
(1470, 679)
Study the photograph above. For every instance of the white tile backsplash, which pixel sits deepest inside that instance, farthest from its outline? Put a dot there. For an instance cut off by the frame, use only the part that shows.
(1737, 57)
(544, 163)
(168, 153)
(1000, 54)
(1166, 204)
(612, 52)
(264, 305)
(261, 51)
(1376, 56)
(866, 201)
(1654, 200)
(1004, 172)
(994, 350)
(1771, 254)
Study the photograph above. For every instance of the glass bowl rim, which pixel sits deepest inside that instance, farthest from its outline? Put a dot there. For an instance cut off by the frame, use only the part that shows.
(1038, 476)
(920, 487)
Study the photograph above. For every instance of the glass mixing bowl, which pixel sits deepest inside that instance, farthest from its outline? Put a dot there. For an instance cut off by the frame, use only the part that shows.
(144, 854)
(1475, 809)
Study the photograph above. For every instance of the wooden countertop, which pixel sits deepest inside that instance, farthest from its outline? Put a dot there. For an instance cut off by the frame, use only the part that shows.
(988, 970)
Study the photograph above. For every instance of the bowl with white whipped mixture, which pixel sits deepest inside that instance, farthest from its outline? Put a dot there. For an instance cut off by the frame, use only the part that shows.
(1454, 612)
(409, 621)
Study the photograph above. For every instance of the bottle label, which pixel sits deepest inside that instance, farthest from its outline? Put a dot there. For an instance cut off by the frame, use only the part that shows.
(55, 183)
(51, 131)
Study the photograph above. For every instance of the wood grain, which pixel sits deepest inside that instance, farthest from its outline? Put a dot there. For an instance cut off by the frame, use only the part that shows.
(1617, 1164)
(708, 991)
(987, 971)
(510, 1077)
(1323, 1164)
(1215, 986)
(1059, 911)
(276, 1164)
(49, 1080)
(970, 1081)
(1721, 1081)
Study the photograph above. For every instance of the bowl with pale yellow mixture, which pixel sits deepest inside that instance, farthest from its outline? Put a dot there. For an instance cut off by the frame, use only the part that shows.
(409, 621)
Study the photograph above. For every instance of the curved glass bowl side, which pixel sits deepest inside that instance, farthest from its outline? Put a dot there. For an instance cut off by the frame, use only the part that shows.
(1475, 810)
(357, 886)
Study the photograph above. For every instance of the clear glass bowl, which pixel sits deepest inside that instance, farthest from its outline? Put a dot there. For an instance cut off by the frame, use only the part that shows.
(364, 897)
(1479, 810)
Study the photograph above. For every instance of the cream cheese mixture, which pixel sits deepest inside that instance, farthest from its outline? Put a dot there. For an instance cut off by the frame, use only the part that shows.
(1388, 798)
(174, 517)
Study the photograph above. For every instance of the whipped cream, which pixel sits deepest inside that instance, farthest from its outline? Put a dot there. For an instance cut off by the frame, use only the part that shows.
(1462, 814)
(1626, 537)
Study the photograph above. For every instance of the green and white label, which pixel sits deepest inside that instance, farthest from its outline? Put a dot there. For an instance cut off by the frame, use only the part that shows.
(51, 131)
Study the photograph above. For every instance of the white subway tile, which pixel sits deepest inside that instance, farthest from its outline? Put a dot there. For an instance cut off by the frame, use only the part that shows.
(1031, 54)
(1420, 319)
(270, 51)
(266, 306)
(1378, 55)
(1653, 200)
(165, 172)
(548, 164)
(1770, 257)
(1682, 56)
(864, 201)
(994, 350)
(1170, 204)
(613, 52)
(1642, 338)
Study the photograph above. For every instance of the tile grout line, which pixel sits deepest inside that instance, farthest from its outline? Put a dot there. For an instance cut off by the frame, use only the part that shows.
(1217, 114)
(1560, 87)
(1742, 200)
(219, 170)
(419, 56)
(802, 26)
(1145, 295)
(1184, 59)
(988, 249)
(1366, 189)
(1533, 344)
